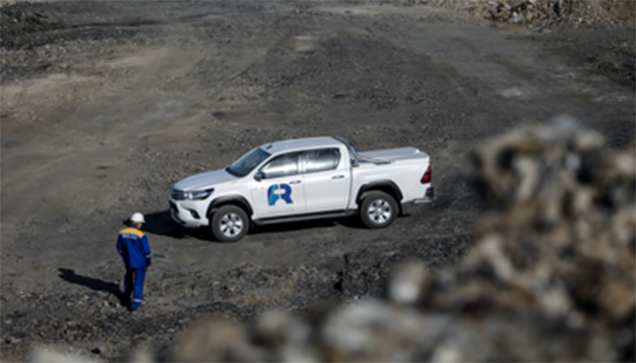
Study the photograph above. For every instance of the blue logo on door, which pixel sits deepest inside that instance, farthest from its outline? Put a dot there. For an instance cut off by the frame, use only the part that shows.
(279, 191)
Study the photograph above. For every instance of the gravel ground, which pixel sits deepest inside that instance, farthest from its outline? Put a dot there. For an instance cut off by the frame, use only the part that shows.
(106, 104)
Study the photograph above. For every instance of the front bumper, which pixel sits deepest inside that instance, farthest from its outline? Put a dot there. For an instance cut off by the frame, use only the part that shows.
(187, 216)
(429, 197)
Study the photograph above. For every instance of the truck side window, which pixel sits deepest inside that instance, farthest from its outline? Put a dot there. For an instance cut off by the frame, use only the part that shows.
(321, 160)
(281, 166)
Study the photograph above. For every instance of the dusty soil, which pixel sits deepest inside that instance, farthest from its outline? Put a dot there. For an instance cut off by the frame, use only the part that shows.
(106, 105)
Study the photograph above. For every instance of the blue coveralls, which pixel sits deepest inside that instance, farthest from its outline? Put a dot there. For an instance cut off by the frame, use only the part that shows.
(132, 245)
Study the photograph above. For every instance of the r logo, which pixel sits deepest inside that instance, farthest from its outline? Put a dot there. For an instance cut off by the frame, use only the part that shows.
(279, 191)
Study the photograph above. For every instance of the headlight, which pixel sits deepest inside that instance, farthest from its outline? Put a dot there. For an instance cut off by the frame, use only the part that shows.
(193, 195)
(197, 195)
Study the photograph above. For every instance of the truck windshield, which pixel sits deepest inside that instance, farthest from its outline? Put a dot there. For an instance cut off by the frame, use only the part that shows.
(248, 162)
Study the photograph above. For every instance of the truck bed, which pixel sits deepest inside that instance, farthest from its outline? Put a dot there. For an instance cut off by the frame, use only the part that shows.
(393, 155)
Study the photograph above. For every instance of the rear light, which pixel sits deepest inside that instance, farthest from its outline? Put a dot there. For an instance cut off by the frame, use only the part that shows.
(427, 176)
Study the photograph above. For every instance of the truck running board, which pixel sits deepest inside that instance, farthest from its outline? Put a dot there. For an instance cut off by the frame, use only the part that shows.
(305, 217)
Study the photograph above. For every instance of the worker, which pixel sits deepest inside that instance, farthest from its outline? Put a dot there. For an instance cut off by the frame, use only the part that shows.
(132, 245)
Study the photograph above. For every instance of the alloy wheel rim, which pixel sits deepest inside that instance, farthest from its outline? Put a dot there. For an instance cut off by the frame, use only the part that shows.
(231, 225)
(379, 211)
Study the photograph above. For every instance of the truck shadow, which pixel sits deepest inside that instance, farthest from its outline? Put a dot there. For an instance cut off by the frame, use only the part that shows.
(291, 226)
(161, 224)
(349, 222)
(93, 284)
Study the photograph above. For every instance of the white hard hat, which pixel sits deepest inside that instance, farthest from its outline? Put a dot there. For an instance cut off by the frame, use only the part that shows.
(137, 218)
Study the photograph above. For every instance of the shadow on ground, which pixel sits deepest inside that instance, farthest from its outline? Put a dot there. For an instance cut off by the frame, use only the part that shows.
(349, 222)
(94, 284)
(161, 224)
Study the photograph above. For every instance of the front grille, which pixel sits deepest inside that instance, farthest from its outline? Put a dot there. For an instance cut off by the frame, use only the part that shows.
(177, 194)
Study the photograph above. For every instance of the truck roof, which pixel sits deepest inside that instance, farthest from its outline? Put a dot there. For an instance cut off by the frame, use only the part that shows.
(300, 144)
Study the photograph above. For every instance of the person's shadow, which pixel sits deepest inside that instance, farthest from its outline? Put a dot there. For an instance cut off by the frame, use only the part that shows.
(94, 284)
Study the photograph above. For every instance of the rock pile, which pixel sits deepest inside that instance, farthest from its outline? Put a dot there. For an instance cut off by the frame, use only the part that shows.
(548, 12)
(566, 11)
(551, 275)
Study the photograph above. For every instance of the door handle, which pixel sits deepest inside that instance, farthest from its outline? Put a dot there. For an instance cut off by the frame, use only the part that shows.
(294, 182)
(337, 177)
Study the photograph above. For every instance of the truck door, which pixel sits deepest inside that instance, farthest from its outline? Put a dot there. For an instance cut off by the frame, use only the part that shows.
(280, 191)
(326, 180)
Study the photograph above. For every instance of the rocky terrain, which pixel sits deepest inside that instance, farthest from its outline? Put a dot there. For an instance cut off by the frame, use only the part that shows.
(550, 276)
(104, 105)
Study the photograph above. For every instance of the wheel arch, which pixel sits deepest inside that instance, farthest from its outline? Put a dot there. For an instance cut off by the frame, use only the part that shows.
(387, 186)
(237, 200)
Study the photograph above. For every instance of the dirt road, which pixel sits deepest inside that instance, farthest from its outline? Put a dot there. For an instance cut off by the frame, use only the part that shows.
(106, 105)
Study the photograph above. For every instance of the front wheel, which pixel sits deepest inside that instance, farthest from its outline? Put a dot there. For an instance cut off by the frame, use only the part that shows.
(230, 223)
(378, 209)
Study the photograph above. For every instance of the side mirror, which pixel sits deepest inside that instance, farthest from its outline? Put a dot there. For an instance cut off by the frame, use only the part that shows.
(259, 176)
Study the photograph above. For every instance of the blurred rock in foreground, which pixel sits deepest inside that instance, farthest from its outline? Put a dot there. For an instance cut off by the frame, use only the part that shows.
(550, 277)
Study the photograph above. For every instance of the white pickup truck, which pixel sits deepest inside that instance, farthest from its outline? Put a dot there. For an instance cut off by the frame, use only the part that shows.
(302, 179)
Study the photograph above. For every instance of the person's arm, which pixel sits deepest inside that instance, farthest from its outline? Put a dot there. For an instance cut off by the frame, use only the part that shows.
(144, 242)
(119, 248)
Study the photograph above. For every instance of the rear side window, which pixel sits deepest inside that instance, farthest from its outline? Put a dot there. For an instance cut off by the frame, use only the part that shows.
(321, 160)
(281, 166)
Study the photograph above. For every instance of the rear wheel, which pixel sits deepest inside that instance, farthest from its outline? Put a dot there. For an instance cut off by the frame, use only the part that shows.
(230, 223)
(378, 209)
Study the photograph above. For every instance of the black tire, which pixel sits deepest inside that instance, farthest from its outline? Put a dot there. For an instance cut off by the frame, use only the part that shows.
(378, 209)
(229, 223)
